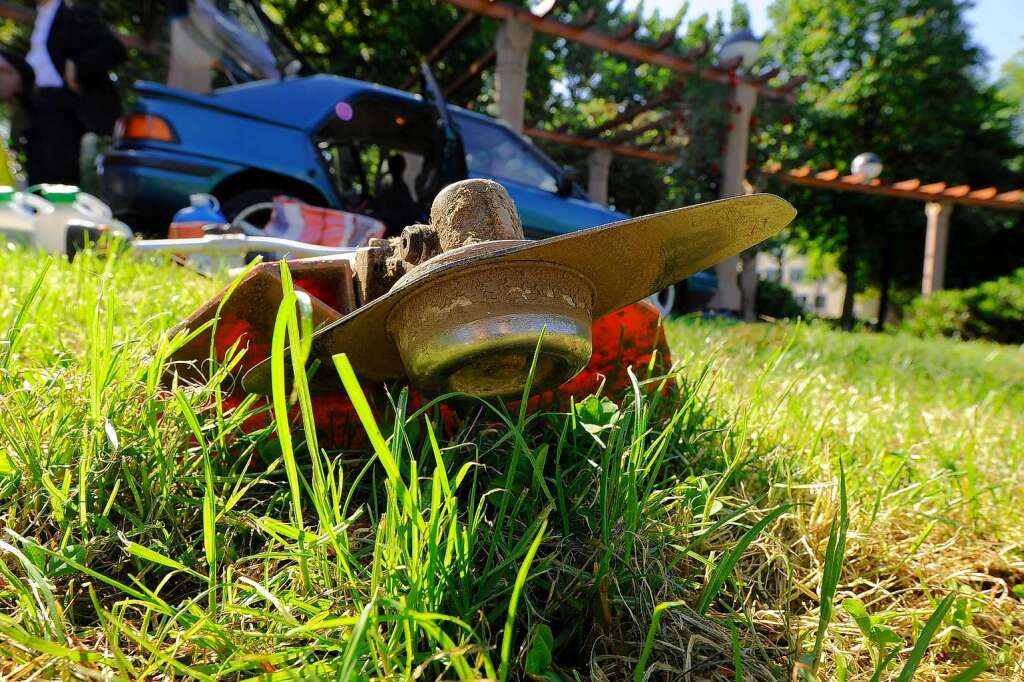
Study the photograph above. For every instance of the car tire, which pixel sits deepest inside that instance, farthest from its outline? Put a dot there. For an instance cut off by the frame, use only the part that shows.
(236, 203)
(664, 300)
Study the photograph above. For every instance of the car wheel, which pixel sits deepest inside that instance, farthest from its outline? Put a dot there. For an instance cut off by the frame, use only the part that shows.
(664, 300)
(233, 205)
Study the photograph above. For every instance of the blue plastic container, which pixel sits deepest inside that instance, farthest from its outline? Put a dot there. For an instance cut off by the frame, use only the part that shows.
(203, 209)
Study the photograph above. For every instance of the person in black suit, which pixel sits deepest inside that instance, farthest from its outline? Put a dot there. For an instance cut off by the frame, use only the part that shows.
(72, 55)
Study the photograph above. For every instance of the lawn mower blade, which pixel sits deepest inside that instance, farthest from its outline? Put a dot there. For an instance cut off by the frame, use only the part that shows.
(624, 261)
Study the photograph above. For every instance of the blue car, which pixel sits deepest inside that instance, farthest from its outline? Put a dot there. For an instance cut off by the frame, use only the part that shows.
(330, 141)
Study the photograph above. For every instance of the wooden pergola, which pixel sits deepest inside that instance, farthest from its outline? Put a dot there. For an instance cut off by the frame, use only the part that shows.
(939, 199)
(620, 43)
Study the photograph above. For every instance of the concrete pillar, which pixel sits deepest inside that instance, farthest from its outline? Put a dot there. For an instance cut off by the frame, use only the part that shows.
(189, 65)
(734, 170)
(935, 242)
(513, 48)
(597, 176)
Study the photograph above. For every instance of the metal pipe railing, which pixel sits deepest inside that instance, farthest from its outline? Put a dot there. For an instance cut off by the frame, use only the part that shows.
(223, 244)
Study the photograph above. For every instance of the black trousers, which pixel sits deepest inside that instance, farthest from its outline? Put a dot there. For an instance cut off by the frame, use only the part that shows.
(54, 137)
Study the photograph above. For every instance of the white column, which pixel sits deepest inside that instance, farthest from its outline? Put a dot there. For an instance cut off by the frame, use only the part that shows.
(513, 48)
(597, 176)
(734, 170)
(935, 242)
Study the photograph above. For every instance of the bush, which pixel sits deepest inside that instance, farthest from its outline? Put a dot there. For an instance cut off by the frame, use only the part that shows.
(775, 299)
(992, 310)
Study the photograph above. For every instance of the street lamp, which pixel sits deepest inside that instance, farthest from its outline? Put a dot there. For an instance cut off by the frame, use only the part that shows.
(867, 165)
(743, 44)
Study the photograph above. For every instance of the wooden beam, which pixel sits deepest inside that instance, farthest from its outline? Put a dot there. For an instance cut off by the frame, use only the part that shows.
(633, 133)
(588, 19)
(907, 189)
(25, 15)
(699, 52)
(665, 40)
(471, 73)
(477, 67)
(627, 31)
(449, 38)
(769, 74)
(632, 112)
(586, 143)
(624, 48)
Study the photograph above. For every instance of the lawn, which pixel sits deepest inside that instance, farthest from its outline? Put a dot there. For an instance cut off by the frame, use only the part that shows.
(792, 502)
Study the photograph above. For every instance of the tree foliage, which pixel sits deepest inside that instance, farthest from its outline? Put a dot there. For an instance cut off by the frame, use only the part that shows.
(1011, 83)
(902, 79)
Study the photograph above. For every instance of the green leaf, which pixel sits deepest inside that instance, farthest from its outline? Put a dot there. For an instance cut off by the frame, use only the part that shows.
(596, 414)
(885, 636)
(59, 567)
(538, 656)
(859, 614)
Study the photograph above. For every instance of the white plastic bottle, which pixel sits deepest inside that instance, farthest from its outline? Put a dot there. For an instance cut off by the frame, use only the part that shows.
(68, 203)
(18, 215)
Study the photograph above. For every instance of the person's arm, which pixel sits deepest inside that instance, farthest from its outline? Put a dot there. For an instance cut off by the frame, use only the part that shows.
(96, 49)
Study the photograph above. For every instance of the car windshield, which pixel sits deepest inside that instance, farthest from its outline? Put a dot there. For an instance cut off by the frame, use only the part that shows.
(493, 150)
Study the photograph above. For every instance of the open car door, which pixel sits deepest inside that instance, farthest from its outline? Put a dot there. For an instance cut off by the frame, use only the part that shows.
(451, 154)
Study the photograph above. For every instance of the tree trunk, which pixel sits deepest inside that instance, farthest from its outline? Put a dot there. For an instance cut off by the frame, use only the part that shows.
(849, 268)
(748, 285)
(884, 277)
(847, 319)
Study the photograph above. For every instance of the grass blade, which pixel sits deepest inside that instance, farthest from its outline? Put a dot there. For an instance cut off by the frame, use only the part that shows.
(835, 555)
(723, 569)
(513, 604)
(652, 631)
(970, 673)
(925, 638)
(10, 342)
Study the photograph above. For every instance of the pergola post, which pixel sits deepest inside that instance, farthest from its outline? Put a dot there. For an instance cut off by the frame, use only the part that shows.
(513, 51)
(734, 170)
(597, 177)
(935, 243)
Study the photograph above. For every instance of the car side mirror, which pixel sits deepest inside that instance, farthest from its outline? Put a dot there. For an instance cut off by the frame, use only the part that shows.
(566, 180)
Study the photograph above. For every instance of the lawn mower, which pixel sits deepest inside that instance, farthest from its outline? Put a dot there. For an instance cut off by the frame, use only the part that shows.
(467, 305)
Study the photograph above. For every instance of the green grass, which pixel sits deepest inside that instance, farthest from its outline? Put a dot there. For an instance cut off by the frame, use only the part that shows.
(695, 529)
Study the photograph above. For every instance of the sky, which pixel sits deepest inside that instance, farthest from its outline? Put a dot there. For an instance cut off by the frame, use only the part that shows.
(996, 24)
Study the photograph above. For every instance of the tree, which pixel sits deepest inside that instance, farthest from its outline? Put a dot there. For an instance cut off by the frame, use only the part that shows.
(903, 79)
(1011, 84)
